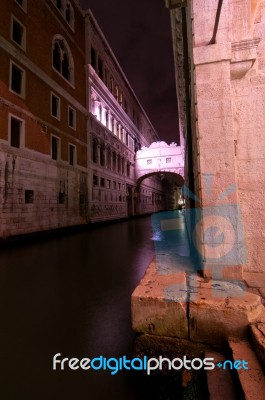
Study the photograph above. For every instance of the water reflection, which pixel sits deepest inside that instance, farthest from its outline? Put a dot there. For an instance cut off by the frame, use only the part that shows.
(71, 295)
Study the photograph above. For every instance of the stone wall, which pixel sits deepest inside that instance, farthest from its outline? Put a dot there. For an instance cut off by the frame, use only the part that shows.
(227, 96)
(37, 194)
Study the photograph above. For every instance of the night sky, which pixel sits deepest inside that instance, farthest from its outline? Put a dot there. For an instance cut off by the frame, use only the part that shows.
(139, 34)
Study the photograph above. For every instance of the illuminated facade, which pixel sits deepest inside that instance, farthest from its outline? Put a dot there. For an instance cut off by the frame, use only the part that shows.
(118, 127)
(70, 123)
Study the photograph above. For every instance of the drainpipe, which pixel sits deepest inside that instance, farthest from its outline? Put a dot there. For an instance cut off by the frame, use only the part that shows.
(186, 69)
(216, 23)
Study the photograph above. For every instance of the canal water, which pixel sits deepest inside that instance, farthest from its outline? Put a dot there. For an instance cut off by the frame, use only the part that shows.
(71, 295)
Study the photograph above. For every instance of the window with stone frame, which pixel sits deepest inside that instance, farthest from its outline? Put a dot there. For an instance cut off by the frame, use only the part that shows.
(16, 132)
(17, 79)
(71, 117)
(18, 33)
(72, 154)
(22, 4)
(55, 149)
(62, 60)
(55, 106)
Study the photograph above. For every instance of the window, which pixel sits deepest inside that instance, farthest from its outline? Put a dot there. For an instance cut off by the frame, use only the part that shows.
(59, 4)
(18, 33)
(111, 84)
(55, 106)
(93, 58)
(61, 198)
(128, 169)
(17, 80)
(114, 158)
(16, 132)
(106, 76)
(55, 148)
(22, 4)
(94, 151)
(72, 154)
(100, 68)
(149, 161)
(102, 155)
(125, 106)
(71, 117)
(62, 59)
(69, 14)
(82, 199)
(168, 160)
(102, 182)
(95, 180)
(29, 196)
(116, 93)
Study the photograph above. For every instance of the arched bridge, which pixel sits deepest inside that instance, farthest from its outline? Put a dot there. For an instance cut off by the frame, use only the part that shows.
(161, 158)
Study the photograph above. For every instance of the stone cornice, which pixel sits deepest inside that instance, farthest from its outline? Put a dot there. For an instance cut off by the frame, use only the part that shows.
(243, 55)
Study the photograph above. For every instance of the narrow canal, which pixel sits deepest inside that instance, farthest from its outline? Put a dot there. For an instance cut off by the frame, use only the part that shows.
(71, 295)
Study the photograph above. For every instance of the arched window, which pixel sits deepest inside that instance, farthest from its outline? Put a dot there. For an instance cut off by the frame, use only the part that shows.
(62, 59)
(108, 158)
(69, 14)
(102, 155)
(119, 164)
(59, 4)
(114, 158)
(94, 151)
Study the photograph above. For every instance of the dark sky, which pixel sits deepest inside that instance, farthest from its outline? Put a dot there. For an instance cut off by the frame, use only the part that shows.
(139, 34)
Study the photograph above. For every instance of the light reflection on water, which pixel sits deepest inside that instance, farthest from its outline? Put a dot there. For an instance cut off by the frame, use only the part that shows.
(71, 295)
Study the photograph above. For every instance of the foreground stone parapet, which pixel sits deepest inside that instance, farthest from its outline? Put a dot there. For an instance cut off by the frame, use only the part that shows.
(155, 307)
(220, 382)
(215, 317)
(252, 380)
(185, 306)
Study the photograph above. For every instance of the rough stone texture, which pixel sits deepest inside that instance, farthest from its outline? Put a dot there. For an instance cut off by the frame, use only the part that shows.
(227, 89)
(159, 304)
(170, 347)
(166, 305)
(257, 334)
(164, 158)
(220, 381)
(46, 178)
(255, 280)
(252, 380)
(215, 315)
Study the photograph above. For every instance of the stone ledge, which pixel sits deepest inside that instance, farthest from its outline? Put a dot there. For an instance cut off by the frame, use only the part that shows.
(212, 54)
(205, 311)
(158, 310)
(251, 380)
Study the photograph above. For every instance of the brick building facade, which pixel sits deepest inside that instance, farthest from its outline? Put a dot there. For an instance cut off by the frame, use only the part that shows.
(69, 122)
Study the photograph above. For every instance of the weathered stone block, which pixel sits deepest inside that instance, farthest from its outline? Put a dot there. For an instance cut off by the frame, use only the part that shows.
(218, 313)
(159, 304)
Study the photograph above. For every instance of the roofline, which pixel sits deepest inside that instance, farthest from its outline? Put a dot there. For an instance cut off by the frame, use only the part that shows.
(91, 15)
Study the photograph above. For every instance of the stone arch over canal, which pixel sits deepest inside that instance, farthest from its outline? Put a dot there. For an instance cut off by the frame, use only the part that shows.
(160, 158)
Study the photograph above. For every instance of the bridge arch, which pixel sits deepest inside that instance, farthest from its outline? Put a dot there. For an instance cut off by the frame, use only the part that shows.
(159, 158)
(179, 180)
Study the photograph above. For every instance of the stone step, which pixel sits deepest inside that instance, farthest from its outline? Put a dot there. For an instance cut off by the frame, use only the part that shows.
(220, 382)
(252, 380)
(257, 338)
